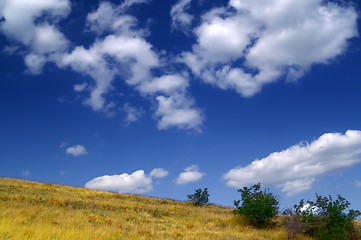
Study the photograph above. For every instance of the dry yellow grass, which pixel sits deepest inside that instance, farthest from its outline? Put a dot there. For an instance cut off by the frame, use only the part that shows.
(31, 210)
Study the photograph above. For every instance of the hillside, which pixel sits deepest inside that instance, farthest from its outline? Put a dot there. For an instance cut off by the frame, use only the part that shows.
(30, 210)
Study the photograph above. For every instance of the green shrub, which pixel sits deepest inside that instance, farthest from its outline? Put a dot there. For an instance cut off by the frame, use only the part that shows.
(259, 207)
(200, 197)
(326, 218)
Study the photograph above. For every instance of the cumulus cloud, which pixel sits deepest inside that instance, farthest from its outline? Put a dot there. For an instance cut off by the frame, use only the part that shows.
(179, 111)
(136, 183)
(242, 46)
(35, 63)
(251, 43)
(124, 52)
(295, 169)
(133, 57)
(76, 150)
(175, 108)
(190, 174)
(21, 23)
(158, 173)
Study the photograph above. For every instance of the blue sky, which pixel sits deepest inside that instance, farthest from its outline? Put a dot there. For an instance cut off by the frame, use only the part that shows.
(160, 98)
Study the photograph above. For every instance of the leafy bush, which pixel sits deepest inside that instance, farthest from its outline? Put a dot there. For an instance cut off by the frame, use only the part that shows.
(200, 197)
(259, 207)
(326, 218)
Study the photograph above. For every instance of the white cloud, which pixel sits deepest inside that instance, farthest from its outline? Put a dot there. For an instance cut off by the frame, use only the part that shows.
(26, 173)
(76, 150)
(179, 111)
(307, 207)
(19, 16)
(254, 42)
(166, 84)
(158, 173)
(296, 168)
(133, 58)
(126, 54)
(132, 114)
(48, 39)
(10, 50)
(190, 174)
(109, 17)
(35, 63)
(137, 182)
(129, 3)
(120, 51)
(175, 108)
(358, 183)
(42, 38)
(80, 87)
(243, 46)
(181, 19)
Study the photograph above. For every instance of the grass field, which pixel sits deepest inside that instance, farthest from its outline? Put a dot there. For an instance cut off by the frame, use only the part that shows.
(31, 210)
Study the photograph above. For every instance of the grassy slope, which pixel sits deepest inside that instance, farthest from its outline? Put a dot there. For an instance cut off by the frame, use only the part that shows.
(31, 210)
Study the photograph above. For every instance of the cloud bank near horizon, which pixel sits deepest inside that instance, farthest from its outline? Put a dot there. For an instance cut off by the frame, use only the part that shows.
(295, 169)
(136, 183)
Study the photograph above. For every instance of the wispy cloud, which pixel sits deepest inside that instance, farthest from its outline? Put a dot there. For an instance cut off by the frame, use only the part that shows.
(133, 114)
(181, 20)
(80, 87)
(295, 169)
(76, 150)
(158, 173)
(26, 173)
(357, 183)
(63, 144)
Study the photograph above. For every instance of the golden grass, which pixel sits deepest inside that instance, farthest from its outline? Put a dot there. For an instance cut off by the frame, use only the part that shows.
(31, 210)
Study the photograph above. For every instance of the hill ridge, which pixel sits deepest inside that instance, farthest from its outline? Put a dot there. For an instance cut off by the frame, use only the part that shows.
(33, 210)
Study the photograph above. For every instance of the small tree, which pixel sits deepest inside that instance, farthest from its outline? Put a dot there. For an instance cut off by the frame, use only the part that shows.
(259, 207)
(326, 218)
(200, 197)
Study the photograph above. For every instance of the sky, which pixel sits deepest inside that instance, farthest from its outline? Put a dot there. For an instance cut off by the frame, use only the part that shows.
(160, 98)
